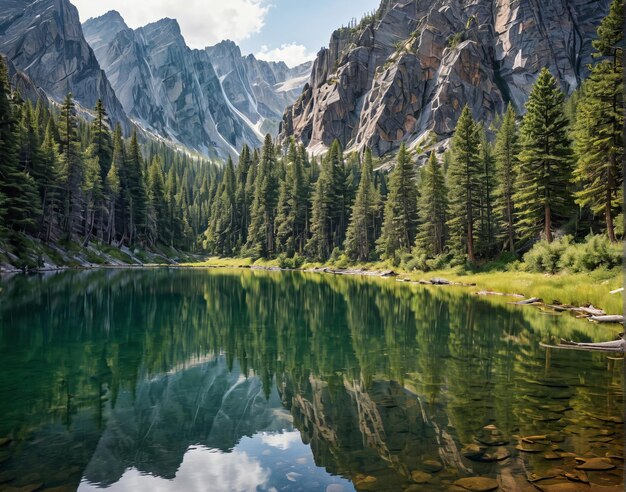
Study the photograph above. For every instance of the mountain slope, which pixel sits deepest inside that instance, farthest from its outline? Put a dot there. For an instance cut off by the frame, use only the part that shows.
(407, 71)
(213, 100)
(260, 90)
(43, 41)
(166, 87)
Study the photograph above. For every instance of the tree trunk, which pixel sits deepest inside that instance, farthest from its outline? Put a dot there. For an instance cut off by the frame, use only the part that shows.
(548, 223)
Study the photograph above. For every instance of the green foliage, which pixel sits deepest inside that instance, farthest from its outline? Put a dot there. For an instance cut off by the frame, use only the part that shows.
(465, 186)
(433, 209)
(543, 196)
(598, 140)
(563, 254)
(400, 222)
(596, 252)
(546, 256)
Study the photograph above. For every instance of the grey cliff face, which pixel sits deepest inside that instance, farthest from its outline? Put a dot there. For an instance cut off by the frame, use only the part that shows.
(212, 101)
(44, 44)
(260, 90)
(167, 88)
(406, 73)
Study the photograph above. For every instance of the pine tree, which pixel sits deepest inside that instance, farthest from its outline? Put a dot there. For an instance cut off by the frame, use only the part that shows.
(542, 197)
(291, 236)
(102, 139)
(433, 209)
(243, 195)
(222, 235)
(400, 222)
(464, 186)
(261, 232)
(329, 200)
(598, 140)
(72, 166)
(18, 196)
(51, 192)
(157, 207)
(487, 236)
(136, 191)
(507, 150)
(361, 236)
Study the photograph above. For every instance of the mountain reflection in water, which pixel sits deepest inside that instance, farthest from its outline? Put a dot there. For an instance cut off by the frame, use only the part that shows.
(239, 380)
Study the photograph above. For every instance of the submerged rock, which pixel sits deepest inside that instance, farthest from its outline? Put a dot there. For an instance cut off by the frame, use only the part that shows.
(477, 484)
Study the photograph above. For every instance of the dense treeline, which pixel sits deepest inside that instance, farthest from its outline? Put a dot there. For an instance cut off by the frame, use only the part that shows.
(556, 171)
(67, 180)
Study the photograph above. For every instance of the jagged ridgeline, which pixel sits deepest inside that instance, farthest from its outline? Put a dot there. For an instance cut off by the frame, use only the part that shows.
(405, 73)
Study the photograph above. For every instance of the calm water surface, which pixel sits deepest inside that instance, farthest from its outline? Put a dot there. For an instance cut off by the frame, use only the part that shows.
(253, 381)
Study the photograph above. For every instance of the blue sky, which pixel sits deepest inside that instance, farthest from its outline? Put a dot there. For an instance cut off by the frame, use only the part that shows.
(304, 24)
(288, 30)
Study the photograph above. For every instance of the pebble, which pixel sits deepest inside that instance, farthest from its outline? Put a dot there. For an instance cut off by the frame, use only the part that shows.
(421, 477)
(432, 466)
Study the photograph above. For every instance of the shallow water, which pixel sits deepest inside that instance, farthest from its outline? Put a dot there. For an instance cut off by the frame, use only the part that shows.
(223, 380)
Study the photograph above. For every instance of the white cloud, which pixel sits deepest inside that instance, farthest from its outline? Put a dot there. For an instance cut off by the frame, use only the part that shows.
(281, 441)
(202, 22)
(201, 468)
(291, 53)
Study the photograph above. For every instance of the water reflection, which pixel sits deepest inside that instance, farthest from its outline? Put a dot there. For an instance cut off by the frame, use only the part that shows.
(181, 380)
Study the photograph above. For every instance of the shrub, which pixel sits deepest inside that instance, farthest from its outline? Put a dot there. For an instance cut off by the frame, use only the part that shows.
(596, 252)
(292, 263)
(546, 257)
(562, 254)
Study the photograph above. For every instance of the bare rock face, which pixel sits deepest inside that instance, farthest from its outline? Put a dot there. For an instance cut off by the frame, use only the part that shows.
(404, 74)
(260, 90)
(44, 44)
(167, 88)
(212, 101)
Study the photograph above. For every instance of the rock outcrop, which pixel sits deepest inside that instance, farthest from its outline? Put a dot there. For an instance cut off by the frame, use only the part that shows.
(44, 44)
(404, 73)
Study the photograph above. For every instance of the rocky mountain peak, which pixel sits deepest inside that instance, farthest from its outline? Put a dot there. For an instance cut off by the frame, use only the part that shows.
(44, 40)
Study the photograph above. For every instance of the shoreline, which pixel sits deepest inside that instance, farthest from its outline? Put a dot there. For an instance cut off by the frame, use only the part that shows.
(480, 281)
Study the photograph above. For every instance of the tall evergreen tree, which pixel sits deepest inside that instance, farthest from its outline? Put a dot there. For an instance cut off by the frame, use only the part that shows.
(361, 236)
(487, 236)
(598, 140)
(464, 185)
(400, 222)
(433, 209)
(50, 193)
(261, 235)
(157, 207)
(222, 235)
(102, 140)
(136, 191)
(72, 166)
(291, 234)
(18, 198)
(506, 152)
(542, 197)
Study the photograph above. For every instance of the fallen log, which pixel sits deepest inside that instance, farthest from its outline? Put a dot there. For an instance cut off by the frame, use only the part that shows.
(502, 294)
(591, 311)
(608, 319)
(527, 302)
(617, 291)
(617, 346)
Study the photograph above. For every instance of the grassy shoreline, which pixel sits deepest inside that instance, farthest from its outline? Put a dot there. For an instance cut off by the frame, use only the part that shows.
(580, 289)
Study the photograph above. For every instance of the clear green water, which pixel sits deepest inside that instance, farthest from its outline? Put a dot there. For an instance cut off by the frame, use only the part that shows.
(252, 381)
